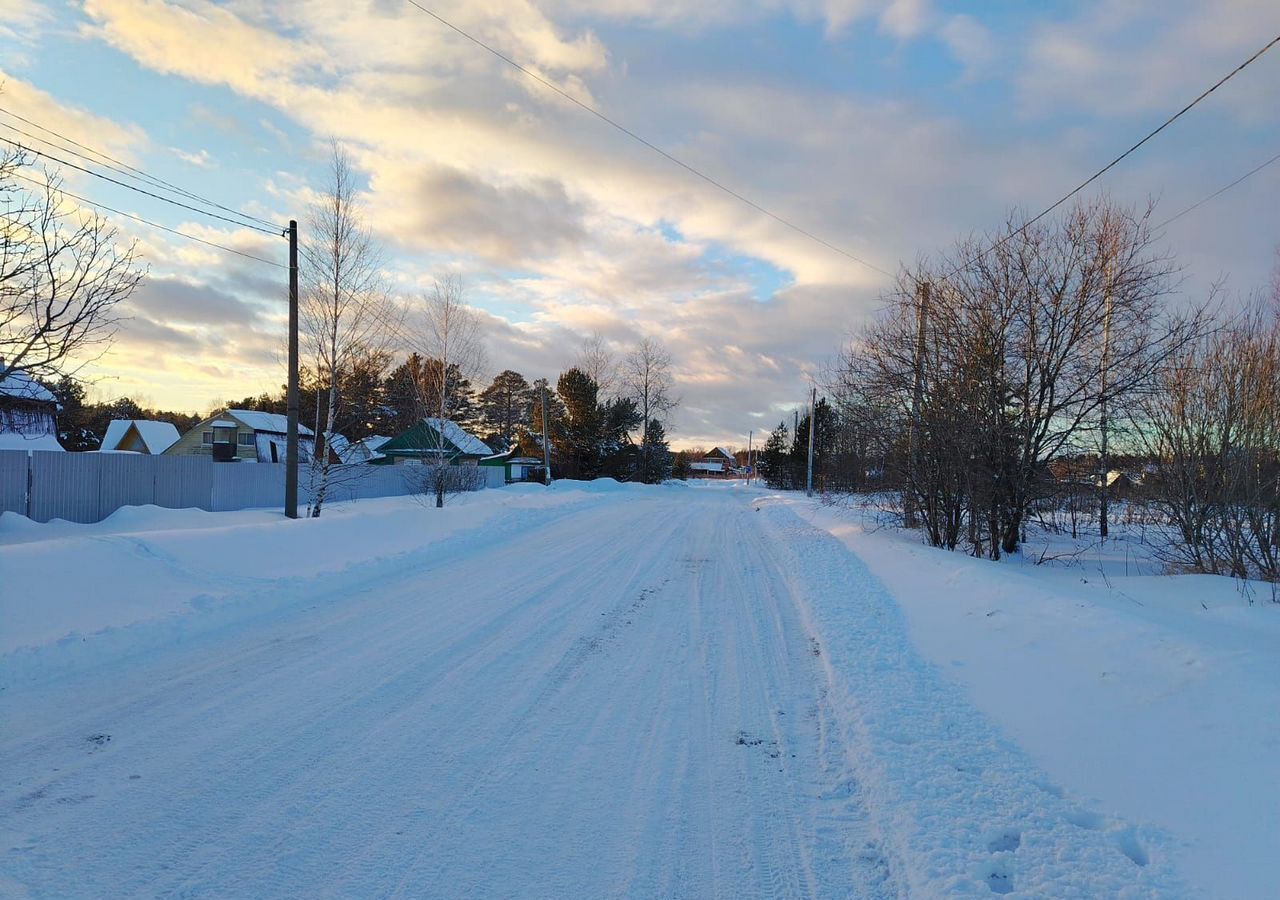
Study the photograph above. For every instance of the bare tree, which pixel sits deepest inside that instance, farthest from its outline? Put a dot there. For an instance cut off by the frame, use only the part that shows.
(449, 334)
(599, 362)
(63, 273)
(647, 380)
(1213, 428)
(1003, 370)
(345, 309)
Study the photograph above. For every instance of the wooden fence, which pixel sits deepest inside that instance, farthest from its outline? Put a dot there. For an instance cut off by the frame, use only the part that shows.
(88, 487)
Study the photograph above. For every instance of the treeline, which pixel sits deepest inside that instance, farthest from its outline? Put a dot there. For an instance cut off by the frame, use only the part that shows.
(596, 424)
(83, 425)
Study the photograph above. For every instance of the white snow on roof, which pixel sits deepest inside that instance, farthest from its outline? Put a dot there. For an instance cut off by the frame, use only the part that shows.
(374, 441)
(12, 440)
(264, 421)
(723, 452)
(156, 436)
(19, 384)
(339, 444)
(454, 434)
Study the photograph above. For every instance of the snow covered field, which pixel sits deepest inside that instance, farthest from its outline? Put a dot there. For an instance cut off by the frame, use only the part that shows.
(604, 690)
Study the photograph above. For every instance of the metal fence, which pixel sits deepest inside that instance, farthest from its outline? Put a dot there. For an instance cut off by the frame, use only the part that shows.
(88, 487)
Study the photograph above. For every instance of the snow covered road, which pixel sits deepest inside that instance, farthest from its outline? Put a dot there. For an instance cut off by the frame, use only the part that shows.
(639, 694)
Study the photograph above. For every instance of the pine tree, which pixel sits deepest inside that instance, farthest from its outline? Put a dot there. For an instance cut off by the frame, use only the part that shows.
(774, 462)
(577, 440)
(655, 455)
(505, 407)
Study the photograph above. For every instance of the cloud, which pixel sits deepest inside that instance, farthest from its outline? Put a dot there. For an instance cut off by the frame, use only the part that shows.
(565, 227)
(970, 43)
(170, 299)
(1121, 59)
(200, 159)
(30, 102)
(905, 19)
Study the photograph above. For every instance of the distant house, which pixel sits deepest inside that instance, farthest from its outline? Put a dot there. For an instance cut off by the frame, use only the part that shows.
(365, 450)
(436, 439)
(518, 468)
(243, 435)
(139, 436)
(28, 414)
(719, 463)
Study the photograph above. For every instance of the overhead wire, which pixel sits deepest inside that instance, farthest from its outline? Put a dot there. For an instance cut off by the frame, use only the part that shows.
(204, 212)
(550, 85)
(148, 222)
(115, 164)
(1098, 174)
(1222, 190)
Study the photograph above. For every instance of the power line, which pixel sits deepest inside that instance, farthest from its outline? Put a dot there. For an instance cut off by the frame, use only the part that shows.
(147, 179)
(118, 212)
(159, 182)
(132, 187)
(1219, 191)
(654, 147)
(1098, 174)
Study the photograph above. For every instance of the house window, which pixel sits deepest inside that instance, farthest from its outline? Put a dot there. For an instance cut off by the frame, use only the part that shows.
(206, 437)
(246, 439)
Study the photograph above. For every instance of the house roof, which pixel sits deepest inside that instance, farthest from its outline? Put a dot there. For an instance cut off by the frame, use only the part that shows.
(22, 386)
(156, 436)
(722, 452)
(456, 435)
(437, 437)
(265, 421)
(13, 440)
(339, 444)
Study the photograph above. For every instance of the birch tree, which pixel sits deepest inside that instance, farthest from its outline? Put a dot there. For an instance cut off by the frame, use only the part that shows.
(344, 308)
(647, 380)
(450, 335)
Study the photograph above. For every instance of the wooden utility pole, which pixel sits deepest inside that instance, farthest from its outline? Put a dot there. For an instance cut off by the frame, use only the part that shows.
(917, 401)
(813, 407)
(291, 440)
(750, 467)
(546, 445)
(1104, 460)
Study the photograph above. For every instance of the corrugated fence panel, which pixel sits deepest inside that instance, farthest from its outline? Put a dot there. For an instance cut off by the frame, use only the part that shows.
(13, 481)
(247, 485)
(125, 479)
(65, 486)
(88, 487)
(183, 482)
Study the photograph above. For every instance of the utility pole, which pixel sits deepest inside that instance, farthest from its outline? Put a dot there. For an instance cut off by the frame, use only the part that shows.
(291, 441)
(1104, 460)
(917, 401)
(546, 446)
(750, 468)
(813, 408)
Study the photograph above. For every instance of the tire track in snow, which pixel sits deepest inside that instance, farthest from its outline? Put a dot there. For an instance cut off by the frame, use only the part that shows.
(555, 715)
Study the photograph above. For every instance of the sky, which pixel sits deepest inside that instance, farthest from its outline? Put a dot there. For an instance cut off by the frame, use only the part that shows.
(890, 128)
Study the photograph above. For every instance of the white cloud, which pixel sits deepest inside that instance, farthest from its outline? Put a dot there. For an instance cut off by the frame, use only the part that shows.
(970, 43)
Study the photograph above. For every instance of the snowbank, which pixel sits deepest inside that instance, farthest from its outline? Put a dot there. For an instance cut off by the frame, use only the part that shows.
(1156, 696)
(89, 590)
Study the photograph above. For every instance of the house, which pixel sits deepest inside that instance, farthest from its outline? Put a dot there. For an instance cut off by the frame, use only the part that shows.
(435, 439)
(365, 450)
(719, 463)
(139, 436)
(28, 414)
(518, 468)
(243, 435)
